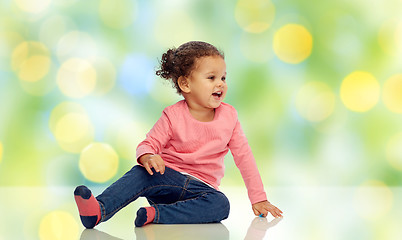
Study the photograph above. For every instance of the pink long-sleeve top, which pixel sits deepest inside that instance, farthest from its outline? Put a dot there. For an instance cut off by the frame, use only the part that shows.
(198, 148)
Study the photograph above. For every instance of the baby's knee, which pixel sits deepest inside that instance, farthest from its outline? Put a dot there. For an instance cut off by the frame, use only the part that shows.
(138, 171)
(223, 205)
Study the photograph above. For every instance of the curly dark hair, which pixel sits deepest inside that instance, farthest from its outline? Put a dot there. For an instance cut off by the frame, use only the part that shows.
(180, 62)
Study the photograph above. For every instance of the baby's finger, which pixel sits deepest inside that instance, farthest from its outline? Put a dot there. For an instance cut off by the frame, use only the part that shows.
(162, 167)
(154, 164)
(148, 168)
(276, 213)
(160, 164)
(256, 212)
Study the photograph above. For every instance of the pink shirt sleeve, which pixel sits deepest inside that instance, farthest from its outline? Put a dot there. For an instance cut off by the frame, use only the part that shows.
(156, 138)
(245, 161)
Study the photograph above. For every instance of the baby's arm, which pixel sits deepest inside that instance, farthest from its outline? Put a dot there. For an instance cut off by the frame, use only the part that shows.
(245, 161)
(155, 140)
(264, 207)
(152, 161)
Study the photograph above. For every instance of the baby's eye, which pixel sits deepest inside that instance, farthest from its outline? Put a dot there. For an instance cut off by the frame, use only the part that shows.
(223, 78)
(211, 77)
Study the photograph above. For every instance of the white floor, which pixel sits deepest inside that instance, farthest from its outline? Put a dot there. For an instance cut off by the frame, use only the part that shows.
(309, 213)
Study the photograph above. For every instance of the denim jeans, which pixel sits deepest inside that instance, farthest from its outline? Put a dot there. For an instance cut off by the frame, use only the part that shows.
(177, 198)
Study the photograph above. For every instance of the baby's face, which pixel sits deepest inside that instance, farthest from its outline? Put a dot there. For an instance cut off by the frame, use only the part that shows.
(208, 82)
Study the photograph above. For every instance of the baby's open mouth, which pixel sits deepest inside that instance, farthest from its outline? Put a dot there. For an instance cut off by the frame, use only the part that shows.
(217, 94)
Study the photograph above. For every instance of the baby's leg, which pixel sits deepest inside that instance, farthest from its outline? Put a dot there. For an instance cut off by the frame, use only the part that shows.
(125, 190)
(199, 204)
(135, 183)
(208, 208)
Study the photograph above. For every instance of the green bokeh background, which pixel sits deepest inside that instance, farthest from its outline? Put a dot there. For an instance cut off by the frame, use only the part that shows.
(346, 148)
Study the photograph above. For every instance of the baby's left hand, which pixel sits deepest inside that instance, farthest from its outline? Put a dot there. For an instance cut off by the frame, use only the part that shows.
(264, 207)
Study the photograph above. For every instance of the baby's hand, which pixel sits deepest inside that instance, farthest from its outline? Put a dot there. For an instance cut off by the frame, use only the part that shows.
(150, 161)
(264, 207)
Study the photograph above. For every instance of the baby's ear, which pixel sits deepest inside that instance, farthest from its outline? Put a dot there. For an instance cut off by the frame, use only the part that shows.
(183, 84)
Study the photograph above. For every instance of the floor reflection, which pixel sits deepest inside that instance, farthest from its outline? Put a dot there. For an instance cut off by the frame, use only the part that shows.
(259, 227)
(185, 231)
(256, 231)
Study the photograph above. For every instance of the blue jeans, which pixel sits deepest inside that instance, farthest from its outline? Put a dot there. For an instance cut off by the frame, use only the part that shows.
(177, 198)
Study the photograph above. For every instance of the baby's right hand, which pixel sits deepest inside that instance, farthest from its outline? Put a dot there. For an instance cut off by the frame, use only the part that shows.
(150, 161)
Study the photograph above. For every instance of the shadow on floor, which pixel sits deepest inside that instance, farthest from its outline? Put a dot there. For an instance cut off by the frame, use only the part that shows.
(94, 234)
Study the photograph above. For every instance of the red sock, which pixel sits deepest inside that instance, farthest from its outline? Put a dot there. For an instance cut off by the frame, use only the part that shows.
(144, 216)
(88, 206)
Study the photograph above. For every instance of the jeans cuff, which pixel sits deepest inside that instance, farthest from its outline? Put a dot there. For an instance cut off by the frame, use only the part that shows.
(103, 211)
(156, 219)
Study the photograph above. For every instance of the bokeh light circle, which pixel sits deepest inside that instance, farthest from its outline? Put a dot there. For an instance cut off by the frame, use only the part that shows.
(117, 14)
(73, 132)
(34, 68)
(254, 16)
(392, 93)
(315, 101)
(71, 127)
(98, 162)
(393, 151)
(373, 200)
(61, 110)
(58, 225)
(31, 61)
(360, 91)
(137, 74)
(33, 6)
(293, 43)
(76, 78)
